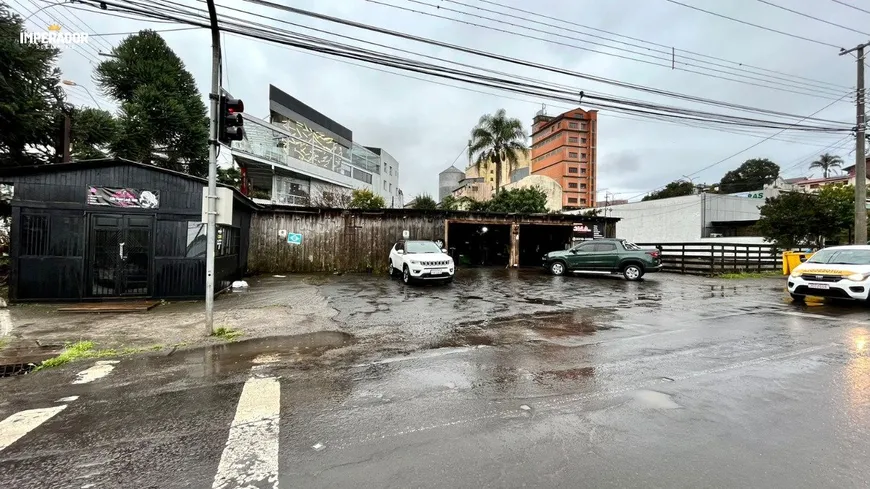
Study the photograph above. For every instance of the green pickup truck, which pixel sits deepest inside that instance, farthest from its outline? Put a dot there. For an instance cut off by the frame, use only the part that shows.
(605, 256)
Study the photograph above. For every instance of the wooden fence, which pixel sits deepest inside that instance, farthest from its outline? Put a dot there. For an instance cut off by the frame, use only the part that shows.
(332, 240)
(716, 258)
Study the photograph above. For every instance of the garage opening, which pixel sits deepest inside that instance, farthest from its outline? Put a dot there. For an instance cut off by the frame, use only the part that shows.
(473, 244)
(537, 240)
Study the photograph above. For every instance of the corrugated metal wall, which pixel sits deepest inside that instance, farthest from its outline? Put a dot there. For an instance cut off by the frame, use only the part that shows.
(332, 240)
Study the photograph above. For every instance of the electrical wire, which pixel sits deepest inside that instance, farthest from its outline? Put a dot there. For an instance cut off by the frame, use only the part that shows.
(272, 37)
(735, 154)
(812, 17)
(795, 36)
(671, 61)
(536, 81)
(129, 33)
(380, 58)
(252, 34)
(851, 6)
(652, 43)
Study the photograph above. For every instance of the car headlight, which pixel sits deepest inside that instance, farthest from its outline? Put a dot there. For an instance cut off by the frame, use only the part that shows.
(857, 277)
(796, 273)
(415, 262)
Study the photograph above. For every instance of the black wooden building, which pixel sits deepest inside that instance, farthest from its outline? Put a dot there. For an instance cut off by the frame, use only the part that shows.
(112, 228)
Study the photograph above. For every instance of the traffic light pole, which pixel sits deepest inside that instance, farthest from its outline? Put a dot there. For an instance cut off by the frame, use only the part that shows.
(860, 160)
(211, 199)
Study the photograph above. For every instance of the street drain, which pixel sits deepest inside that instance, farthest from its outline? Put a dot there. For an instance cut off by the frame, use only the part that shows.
(13, 369)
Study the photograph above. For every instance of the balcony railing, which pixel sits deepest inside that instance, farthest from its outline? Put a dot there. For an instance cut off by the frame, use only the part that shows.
(265, 141)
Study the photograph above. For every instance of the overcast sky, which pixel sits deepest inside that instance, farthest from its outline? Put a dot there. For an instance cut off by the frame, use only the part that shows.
(425, 125)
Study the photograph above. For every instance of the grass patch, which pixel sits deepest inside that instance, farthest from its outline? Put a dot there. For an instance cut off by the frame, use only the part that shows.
(225, 333)
(3, 343)
(82, 350)
(734, 276)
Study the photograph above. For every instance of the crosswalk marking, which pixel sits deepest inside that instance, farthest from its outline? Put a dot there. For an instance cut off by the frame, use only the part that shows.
(98, 371)
(250, 458)
(23, 422)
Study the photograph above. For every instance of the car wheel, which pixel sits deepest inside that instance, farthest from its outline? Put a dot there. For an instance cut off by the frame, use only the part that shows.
(632, 272)
(558, 268)
(797, 298)
(406, 275)
(391, 269)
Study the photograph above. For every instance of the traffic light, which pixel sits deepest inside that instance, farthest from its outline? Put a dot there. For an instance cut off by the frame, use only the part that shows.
(230, 122)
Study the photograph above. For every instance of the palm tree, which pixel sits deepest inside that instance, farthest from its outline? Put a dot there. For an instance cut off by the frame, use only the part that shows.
(826, 162)
(497, 138)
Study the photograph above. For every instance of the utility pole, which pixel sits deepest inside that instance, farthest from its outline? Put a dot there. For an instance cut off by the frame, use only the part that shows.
(211, 199)
(860, 160)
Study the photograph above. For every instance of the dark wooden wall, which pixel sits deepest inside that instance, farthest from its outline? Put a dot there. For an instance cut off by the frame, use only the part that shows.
(60, 271)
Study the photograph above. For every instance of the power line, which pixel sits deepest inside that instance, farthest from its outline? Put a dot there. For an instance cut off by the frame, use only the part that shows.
(812, 17)
(795, 36)
(404, 63)
(737, 153)
(678, 50)
(536, 81)
(129, 33)
(851, 6)
(360, 54)
(671, 61)
(479, 53)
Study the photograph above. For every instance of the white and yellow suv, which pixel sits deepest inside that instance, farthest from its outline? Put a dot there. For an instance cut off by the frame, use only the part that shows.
(841, 272)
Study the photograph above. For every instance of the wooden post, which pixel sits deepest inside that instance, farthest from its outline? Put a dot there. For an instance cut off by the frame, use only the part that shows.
(683, 259)
(515, 245)
(712, 260)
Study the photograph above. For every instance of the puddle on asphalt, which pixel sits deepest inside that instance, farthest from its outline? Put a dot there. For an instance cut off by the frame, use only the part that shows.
(545, 302)
(576, 323)
(296, 350)
(564, 375)
(655, 400)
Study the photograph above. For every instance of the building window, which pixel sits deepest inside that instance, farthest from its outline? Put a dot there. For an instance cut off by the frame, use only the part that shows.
(572, 125)
(572, 140)
(572, 169)
(583, 170)
(385, 185)
(583, 126)
(362, 176)
(583, 140)
(34, 235)
(391, 188)
(572, 154)
(582, 185)
(572, 184)
(385, 168)
(582, 201)
(572, 200)
(391, 171)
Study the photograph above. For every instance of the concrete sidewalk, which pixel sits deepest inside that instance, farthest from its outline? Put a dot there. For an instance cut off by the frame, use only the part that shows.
(272, 306)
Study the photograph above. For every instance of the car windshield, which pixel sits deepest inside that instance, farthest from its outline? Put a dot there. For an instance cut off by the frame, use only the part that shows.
(833, 256)
(422, 247)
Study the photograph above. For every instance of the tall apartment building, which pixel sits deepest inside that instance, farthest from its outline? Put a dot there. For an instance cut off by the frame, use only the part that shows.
(564, 148)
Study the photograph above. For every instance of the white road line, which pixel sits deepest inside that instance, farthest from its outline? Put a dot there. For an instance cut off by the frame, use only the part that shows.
(98, 371)
(5, 323)
(250, 458)
(23, 422)
(440, 352)
(67, 399)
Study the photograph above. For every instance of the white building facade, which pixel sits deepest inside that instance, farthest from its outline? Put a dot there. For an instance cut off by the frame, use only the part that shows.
(300, 157)
(690, 219)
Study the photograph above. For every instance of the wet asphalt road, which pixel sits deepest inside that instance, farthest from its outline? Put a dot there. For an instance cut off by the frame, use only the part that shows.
(504, 379)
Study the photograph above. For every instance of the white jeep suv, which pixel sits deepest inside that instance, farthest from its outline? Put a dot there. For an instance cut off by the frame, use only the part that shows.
(421, 260)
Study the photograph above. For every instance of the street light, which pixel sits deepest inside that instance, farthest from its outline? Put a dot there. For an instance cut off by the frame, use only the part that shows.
(74, 84)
